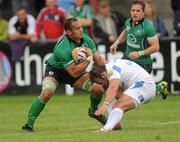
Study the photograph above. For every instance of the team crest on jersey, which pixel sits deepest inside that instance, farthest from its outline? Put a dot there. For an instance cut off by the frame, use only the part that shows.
(111, 72)
(128, 28)
(141, 98)
(139, 32)
(51, 72)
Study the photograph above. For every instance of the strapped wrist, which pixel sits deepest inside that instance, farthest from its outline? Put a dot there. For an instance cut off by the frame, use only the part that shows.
(117, 42)
(141, 53)
(90, 58)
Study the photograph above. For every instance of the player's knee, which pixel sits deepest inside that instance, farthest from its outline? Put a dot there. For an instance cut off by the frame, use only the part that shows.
(48, 88)
(46, 94)
(92, 87)
(124, 105)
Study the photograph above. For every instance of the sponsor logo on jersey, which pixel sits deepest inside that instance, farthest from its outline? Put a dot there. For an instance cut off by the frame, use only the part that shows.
(131, 38)
(128, 28)
(51, 72)
(111, 72)
(133, 45)
(141, 98)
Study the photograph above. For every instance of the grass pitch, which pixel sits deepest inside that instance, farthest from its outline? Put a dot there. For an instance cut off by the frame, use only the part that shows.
(65, 119)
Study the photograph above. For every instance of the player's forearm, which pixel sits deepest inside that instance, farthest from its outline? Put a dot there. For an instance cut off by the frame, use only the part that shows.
(101, 61)
(154, 46)
(77, 69)
(112, 90)
(121, 38)
(110, 95)
(150, 50)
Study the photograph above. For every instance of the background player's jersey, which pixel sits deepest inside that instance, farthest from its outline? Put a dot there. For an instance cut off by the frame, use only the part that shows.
(62, 54)
(137, 36)
(127, 71)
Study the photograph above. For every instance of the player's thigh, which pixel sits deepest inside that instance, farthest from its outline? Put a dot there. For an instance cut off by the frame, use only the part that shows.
(142, 94)
(85, 84)
(125, 103)
(119, 93)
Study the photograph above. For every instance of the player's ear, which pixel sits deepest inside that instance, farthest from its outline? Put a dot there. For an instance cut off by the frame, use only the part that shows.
(104, 75)
(68, 32)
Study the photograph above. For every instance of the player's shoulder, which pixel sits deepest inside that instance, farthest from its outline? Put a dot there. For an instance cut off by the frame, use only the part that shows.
(147, 23)
(86, 37)
(128, 21)
(148, 26)
(62, 41)
(62, 44)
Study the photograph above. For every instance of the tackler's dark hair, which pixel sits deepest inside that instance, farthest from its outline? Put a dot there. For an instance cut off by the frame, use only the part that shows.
(96, 72)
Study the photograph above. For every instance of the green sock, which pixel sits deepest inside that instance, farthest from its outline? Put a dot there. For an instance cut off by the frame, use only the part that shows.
(95, 100)
(158, 88)
(36, 108)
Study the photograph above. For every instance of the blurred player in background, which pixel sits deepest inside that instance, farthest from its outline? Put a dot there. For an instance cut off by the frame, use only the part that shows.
(141, 41)
(61, 69)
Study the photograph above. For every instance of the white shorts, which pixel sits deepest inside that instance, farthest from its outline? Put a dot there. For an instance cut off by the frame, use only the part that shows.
(141, 92)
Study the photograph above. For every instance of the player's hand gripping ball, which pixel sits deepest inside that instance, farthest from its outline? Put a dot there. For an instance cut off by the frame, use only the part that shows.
(78, 54)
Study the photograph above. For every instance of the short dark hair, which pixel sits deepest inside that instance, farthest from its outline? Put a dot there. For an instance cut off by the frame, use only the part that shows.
(96, 72)
(68, 23)
(140, 2)
(21, 8)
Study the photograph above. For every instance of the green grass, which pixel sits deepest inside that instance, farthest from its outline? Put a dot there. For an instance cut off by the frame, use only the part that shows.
(65, 120)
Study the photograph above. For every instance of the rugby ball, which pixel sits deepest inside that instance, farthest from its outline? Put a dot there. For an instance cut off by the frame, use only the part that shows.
(78, 54)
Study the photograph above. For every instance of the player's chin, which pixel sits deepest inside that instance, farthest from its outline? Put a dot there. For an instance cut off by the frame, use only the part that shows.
(81, 35)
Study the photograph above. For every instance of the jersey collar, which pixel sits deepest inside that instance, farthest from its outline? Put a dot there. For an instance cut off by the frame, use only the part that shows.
(137, 23)
(75, 43)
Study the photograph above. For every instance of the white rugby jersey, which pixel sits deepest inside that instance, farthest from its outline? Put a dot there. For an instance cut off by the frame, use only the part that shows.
(128, 72)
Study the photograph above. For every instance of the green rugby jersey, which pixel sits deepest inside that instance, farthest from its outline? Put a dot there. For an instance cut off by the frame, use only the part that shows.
(137, 36)
(62, 54)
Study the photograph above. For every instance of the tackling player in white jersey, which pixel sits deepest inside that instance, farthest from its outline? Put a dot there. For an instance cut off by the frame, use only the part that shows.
(127, 82)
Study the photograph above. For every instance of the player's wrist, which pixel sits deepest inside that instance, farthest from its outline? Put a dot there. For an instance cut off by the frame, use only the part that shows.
(141, 53)
(90, 58)
(117, 42)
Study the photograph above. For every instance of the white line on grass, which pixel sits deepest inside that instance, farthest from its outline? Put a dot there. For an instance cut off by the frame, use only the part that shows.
(160, 122)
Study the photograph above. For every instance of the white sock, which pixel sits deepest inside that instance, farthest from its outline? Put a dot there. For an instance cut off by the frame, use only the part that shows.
(114, 118)
(110, 107)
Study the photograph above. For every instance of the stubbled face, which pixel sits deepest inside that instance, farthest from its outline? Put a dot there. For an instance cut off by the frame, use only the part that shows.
(103, 79)
(137, 12)
(21, 14)
(76, 31)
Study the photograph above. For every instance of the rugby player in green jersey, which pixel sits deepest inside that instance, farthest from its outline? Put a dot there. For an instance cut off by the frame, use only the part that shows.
(61, 69)
(141, 41)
